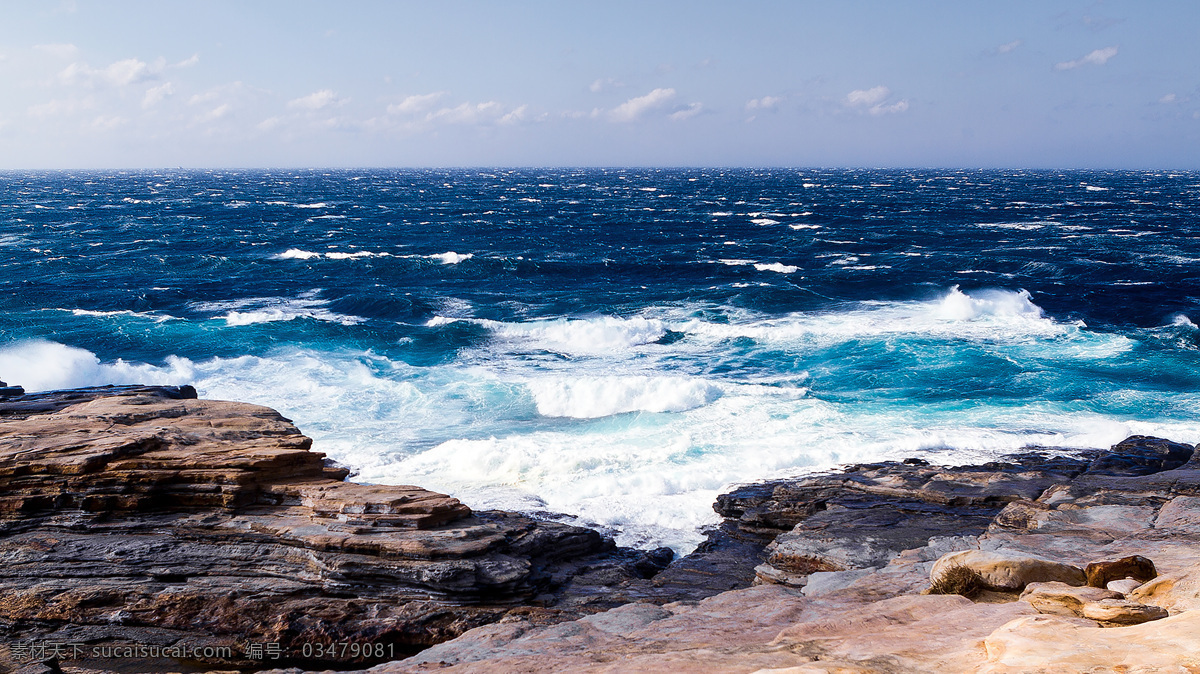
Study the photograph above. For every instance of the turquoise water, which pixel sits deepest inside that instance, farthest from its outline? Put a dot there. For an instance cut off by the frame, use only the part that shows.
(619, 346)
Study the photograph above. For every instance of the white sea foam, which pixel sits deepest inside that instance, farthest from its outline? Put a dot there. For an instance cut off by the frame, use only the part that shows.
(1093, 188)
(450, 257)
(777, 266)
(319, 204)
(594, 397)
(1182, 321)
(582, 336)
(297, 254)
(46, 366)
(158, 318)
(252, 310)
(463, 428)
(355, 255)
(764, 221)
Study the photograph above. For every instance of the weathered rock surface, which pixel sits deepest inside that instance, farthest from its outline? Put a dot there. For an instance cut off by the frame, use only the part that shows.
(1009, 571)
(1055, 598)
(865, 611)
(1134, 566)
(163, 519)
(131, 510)
(1046, 643)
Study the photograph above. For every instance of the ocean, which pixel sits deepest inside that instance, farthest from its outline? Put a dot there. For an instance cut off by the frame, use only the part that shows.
(615, 347)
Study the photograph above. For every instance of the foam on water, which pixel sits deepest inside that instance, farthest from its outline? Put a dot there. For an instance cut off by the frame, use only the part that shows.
(602, 440)
(450, 257)
(252, 310)
(594, 397)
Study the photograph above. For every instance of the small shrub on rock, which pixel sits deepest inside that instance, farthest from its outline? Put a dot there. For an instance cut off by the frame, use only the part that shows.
(962, 580)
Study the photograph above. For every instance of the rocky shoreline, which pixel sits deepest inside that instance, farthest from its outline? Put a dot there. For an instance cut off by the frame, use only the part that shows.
(133, 517)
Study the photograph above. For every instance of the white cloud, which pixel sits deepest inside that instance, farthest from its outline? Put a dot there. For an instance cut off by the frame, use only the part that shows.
(121, 73)
(468, 113)
(62, 51)
(215, 114)
(155, 95)
(106, 122)
(187, 62)
(317, 100)
(764, 103)
(874, 101)
(635, 107)
(56, 107)
(898, 106)
(515, 117)
(415, 104)
(1098, 57)
(605, 83)
(865, 97)
(1008, 46)
(687, 113)
(1168, 99)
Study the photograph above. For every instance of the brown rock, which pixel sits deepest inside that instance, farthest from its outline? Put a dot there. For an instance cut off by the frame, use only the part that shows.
(1061, 599)
(1045, 643)
(1134, 566)
(1121, 612)
(123, 508)
(1002, 570)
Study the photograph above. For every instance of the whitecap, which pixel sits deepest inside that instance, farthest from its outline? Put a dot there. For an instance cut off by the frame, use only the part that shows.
(450, 257)
(777, 266)
(594, 397)
(296, 254)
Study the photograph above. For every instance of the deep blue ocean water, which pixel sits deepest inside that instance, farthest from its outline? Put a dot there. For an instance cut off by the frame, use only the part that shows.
(621, 345)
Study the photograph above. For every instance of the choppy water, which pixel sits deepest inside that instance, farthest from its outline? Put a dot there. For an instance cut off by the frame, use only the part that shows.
(621, 345)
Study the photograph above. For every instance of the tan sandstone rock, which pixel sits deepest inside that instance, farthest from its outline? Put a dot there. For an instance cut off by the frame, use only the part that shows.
(1121, 612)
(1061, 599)
(1175, 592)
(1064, 645)
(1002, 570)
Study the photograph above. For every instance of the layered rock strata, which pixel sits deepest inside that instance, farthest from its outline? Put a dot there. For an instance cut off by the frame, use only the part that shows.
(845, 583)
(141, 515)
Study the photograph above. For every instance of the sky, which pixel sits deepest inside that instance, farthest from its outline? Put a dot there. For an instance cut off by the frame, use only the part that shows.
(208, 83)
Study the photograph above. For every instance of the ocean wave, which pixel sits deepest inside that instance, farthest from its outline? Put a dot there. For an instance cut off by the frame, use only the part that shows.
(157, 318)
(450, 257)
(777, 266)
(580, 336)
(465, 429)
(297, 254)
(253, 310)
(39, 365)
(594, 397)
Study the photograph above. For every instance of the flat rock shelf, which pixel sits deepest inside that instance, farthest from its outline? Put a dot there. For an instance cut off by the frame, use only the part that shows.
(144, 530)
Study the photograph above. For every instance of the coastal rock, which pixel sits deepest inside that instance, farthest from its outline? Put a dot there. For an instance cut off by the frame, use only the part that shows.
(1121, 612)
(1175, 592)
(1134, 566)
(1001, 570)
(1141, 455)
(123, 508)
(1057, 598)
(1045, 643)
(868, 514)
(1123, 586)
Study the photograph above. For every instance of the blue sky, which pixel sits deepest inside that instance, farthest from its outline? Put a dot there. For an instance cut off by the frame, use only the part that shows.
(263, 84)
